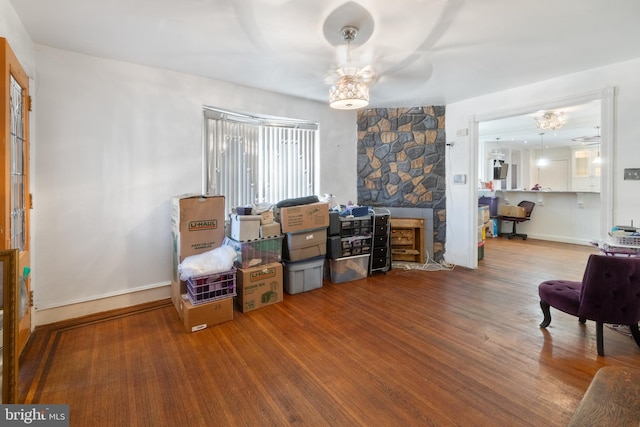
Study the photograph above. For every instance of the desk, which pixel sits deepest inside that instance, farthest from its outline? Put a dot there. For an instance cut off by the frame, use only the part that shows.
(611, 399)
(616, 250)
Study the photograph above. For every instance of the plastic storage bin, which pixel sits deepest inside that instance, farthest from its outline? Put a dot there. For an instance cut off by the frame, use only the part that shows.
(492, 202)
(303, 245)
(355, 226)
(348, 269)
(303, 276)
(256, 252)
(245, 227)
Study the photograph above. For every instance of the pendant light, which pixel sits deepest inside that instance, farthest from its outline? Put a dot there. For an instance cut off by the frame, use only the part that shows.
(541, 162)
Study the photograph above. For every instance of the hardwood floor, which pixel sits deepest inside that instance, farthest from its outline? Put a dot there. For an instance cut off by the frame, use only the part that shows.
(409, 348)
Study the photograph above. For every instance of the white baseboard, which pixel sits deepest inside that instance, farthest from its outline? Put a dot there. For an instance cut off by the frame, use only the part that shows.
(71, 311)
(560, 239)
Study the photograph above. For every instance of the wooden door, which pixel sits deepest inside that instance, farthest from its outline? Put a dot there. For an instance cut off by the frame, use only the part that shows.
(14, 178)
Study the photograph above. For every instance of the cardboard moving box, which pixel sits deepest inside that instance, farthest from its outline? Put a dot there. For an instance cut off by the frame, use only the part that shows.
(259, 286)
(515, 211)
(303, 217)
(197, 226)
(202, 316)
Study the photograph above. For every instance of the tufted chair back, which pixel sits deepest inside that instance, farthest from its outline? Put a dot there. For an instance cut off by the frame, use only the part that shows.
(611, 290)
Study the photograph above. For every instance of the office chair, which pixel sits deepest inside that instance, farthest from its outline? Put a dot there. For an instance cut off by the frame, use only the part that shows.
(608, 293)
(528, 207)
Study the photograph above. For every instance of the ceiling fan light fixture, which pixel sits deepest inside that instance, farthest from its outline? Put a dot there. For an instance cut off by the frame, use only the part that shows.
(351, 90)
(349, 93)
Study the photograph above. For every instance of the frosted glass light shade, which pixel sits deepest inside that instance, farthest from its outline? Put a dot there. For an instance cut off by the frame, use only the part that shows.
(349, 94)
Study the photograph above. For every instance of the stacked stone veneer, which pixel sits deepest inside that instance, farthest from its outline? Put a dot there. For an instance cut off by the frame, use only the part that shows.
(401, 162)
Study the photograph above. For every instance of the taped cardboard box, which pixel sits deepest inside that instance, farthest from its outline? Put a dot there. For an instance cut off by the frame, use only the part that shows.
(266, 217)
(201, 316)
(514, 211)
(259, 286)
(302, 217)
(270, 230)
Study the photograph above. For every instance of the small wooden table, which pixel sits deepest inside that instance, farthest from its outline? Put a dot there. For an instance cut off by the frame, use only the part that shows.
(407, 239)
(612, 399)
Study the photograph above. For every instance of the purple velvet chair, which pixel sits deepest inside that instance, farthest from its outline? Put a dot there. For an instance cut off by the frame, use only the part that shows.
(609, 293)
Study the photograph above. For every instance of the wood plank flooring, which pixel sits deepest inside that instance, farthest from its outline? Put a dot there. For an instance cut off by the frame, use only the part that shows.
(406, 348)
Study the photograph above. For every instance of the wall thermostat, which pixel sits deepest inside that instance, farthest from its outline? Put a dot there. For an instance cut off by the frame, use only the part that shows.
(460, 179)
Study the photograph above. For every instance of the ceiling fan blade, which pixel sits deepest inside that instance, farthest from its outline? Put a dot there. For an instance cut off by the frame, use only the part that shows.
(442, 23)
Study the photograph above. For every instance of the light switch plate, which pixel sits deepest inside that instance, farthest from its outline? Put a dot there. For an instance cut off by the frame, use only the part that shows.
(460, 179)
(632, 173)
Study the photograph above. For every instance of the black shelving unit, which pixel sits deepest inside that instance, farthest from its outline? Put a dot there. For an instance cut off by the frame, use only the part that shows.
(380, 259)
(349, 236)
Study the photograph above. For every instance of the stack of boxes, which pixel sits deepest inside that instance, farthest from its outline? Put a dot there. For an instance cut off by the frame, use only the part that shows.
(258, 244)
(483, 227)
(494, 219)
(348, 247)
(284, 250)
(197, 226)
(304, 245)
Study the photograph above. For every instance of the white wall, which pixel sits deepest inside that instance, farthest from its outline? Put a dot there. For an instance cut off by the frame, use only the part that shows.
(11, 28)
(462, 155)
(115, 142)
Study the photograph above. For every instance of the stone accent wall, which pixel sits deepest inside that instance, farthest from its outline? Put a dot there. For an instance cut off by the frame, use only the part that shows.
(401, 162)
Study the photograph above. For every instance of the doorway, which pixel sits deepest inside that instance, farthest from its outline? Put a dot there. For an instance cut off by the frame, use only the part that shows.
(605, 97)
(15, 231)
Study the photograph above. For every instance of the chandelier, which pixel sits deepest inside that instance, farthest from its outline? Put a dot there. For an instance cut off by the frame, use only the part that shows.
(351, 89)
(551, 121)
(349, 93)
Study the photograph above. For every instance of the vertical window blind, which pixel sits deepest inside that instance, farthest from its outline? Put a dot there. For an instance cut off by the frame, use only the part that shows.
(258, 159)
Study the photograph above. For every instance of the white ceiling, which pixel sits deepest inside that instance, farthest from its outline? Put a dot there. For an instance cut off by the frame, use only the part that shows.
(583, 120)
(424, 52)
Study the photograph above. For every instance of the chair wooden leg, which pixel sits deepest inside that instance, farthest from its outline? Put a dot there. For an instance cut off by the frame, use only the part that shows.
(546, 311)
(635, 332)
(600, 338)
(582, 319)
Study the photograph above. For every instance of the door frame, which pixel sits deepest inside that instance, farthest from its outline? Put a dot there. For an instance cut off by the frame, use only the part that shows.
(11, 67)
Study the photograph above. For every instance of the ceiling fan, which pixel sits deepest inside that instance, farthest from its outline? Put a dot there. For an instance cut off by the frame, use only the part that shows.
(357, 42)
(594, 139)
(349, 83)
(364, 61)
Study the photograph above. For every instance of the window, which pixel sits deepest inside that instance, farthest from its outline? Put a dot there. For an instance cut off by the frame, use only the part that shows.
(17, 166)
(258, 159)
